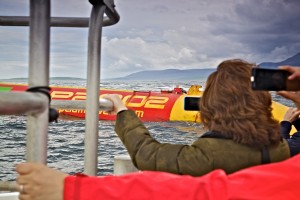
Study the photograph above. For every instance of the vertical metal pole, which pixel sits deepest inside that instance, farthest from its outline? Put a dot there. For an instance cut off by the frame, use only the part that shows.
(93, 82)
(37, 125)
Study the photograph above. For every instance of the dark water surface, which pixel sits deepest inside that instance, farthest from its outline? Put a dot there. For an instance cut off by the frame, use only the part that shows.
(66, 138)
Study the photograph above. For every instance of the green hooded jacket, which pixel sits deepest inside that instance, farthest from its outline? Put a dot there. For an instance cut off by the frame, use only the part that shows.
(201, 157)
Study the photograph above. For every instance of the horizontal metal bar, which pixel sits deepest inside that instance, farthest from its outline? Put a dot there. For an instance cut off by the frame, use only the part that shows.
(104, 104)
(78, 22)
(8, 186)
(54, 21)
(15, 103)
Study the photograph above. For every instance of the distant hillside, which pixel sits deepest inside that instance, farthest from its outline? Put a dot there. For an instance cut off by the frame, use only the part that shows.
(66, 78)
(177, 74)
(51, 78)
(169, 74)
(196, 74)
(293, 61)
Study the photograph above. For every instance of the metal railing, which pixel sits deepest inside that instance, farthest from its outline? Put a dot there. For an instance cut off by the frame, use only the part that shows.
(36, 104)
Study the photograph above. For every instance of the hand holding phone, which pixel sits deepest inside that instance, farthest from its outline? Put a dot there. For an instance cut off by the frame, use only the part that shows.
(273, 80)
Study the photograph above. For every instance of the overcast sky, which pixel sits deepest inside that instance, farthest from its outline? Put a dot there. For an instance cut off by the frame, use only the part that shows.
(159, 34)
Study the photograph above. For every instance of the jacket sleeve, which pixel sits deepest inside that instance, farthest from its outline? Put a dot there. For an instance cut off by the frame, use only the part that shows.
(147, 185)
(294, 143)
(254, 183)
(148, 154)
(296, 123)
(261, 182)
(285, 128)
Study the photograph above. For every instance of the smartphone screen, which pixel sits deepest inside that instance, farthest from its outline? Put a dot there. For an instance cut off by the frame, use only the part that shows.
(269, 79)
(191, 103)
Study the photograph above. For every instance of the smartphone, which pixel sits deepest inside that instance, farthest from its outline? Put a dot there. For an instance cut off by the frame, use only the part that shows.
(273, 80)
(191, 103)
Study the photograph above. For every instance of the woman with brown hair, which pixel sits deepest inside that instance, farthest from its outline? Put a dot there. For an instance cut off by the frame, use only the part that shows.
(231, 109)
(241, 130)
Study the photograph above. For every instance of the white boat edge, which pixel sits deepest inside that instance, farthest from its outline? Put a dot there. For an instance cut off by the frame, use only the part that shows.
(9, 196)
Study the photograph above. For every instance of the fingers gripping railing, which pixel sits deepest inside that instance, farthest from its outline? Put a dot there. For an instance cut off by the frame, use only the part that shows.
(36, 105)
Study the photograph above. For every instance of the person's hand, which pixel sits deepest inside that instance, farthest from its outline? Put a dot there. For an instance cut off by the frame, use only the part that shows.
(294, 96)
(38, 182)
(117, 103)
(295, 71)
(291, 114)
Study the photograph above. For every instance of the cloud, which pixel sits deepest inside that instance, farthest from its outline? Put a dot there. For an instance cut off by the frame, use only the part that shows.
(161, 35)
(264, 26)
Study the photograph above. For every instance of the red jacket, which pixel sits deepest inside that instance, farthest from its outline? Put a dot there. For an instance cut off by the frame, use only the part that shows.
(276, 181)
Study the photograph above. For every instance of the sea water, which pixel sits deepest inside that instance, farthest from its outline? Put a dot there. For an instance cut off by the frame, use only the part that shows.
(66, 137)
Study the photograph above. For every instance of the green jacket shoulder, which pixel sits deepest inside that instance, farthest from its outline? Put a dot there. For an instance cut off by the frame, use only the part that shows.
(201, 157)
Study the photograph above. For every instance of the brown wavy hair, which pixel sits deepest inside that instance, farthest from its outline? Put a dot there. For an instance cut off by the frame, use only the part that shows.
(229, 106)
